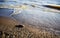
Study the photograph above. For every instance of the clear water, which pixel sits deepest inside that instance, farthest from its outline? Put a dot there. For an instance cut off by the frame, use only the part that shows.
(18, 2)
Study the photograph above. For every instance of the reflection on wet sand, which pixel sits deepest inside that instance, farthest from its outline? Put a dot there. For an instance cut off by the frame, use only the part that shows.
(10, 28)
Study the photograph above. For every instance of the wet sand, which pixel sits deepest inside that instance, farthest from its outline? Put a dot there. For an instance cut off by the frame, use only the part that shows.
(7, 25)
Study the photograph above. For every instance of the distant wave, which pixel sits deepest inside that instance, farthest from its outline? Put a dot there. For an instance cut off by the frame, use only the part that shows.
(31, 1)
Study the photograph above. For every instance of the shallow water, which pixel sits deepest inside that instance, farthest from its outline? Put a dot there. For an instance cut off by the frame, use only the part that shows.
(39, 16)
